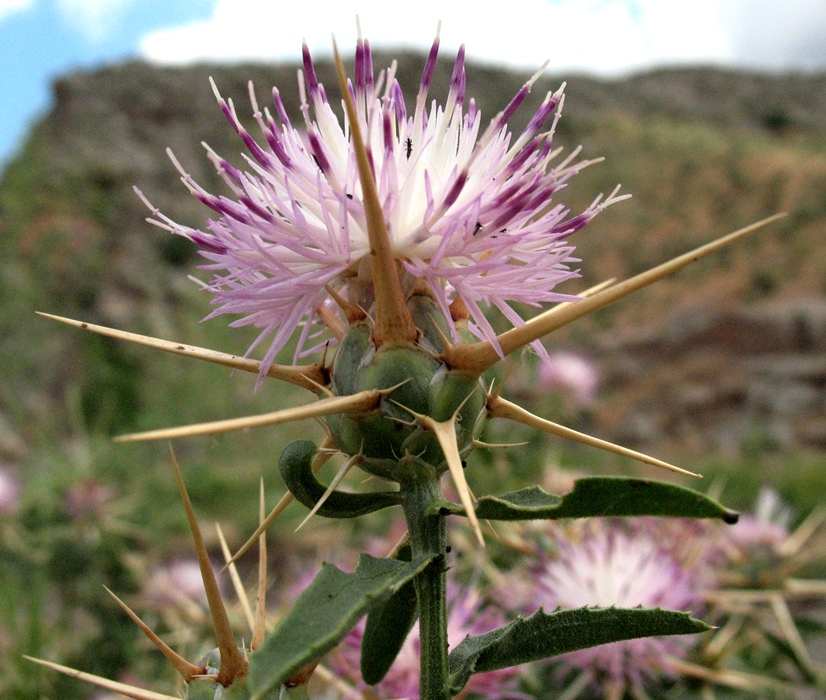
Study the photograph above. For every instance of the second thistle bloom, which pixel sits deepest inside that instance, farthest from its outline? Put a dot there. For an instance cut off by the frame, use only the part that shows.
(469, 212)
(614, 566)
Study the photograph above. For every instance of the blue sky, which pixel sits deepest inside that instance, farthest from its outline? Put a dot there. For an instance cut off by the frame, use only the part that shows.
(42, 39)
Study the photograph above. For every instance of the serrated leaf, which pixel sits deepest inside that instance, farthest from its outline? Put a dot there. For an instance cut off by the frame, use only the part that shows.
(323, 614)
(295, 466)
(601, 496)
(548, 634)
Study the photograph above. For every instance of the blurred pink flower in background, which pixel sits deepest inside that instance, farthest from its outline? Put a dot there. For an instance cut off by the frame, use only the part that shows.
(573, 375)
(176, 582)
(10, 490)
(767, 526)
(87, 498)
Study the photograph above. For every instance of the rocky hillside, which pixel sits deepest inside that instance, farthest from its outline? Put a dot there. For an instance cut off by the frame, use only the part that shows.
(729, 350)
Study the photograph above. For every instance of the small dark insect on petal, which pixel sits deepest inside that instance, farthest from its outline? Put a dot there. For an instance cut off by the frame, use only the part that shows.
(408, 146)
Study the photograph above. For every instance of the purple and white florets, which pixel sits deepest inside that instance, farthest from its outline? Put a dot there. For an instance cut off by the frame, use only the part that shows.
(767, 526)
(612, 566)
(468, 211)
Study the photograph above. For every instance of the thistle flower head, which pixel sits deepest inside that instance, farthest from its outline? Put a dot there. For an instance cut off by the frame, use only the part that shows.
(759, 549)
(468, 211)
(767, 526)
(611, 566)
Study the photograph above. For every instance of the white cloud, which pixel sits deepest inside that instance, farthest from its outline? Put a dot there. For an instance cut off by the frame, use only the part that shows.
(604, 36)
(786, 35)
(608, 37)
(92, 18)
(10, 7)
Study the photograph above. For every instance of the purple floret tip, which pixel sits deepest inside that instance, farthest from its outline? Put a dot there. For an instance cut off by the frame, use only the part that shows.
(309, 71)
(429, 67)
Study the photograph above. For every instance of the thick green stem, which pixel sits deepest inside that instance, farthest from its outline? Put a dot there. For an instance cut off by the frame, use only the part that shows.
(428, 536)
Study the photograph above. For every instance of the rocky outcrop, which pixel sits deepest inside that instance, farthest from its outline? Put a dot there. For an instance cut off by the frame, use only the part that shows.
(720, 379)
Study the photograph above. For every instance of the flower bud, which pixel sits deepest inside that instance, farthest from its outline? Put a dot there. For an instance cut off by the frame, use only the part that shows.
(424, 386)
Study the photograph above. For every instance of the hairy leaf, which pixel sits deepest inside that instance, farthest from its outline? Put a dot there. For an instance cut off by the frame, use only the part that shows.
(548, 634)
(386, 629)
(323, 614)
(601, 496)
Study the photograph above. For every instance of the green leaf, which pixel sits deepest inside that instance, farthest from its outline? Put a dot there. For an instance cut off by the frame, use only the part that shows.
(601, 496)
(385, 632)
(543, 635)
(387, 627)
(296, 470)
(323, 614)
